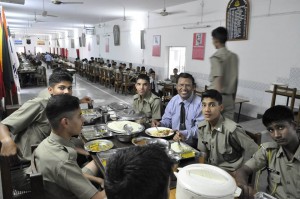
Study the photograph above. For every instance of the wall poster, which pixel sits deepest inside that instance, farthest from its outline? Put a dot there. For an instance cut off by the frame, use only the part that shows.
(199, 46)
(156, 46)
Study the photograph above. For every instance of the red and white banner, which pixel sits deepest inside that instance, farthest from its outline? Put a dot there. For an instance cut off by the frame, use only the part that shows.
(199, 46)
(156, 46)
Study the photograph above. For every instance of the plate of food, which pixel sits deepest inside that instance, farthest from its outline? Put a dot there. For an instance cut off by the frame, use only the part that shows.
(98, 146)
(140, 141)
(159, 132)
(183, 149)
(118, 126)
(95, 132)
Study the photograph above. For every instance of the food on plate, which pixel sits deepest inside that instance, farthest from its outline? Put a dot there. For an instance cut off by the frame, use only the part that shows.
(182, 148)
(98, 146)
(87, 111)
(118, 126)
(161, 133)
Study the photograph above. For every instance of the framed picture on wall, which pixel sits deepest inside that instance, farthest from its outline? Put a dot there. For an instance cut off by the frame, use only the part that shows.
(156, 46)
(198, 46)
(98, 39)
(83, 39)
(107, 45)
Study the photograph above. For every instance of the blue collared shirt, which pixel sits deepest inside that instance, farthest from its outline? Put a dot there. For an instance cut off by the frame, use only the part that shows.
(193, 115)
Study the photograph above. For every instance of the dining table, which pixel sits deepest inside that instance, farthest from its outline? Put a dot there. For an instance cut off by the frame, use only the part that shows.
(118, 145)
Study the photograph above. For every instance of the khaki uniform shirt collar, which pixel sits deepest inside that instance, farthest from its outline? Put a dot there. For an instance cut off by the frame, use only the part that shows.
(296, 155)
(219, 125)
(146, 97)
(60, 140)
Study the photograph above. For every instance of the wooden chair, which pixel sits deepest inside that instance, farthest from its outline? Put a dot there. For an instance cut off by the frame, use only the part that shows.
(36, 182)
(126, 84)
(284, 91)
(95, 74)
(102, 76)
(118, 82)
(41, 77)
(108, 78)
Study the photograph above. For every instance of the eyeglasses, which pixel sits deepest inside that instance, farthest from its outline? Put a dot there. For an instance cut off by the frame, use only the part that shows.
(188, 86)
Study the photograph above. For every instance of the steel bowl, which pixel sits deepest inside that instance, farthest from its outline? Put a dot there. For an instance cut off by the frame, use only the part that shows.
(126, 137)
(162, 143)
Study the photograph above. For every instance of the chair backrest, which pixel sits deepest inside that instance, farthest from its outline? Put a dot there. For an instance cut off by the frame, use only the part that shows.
(36, 181)
(284, 91)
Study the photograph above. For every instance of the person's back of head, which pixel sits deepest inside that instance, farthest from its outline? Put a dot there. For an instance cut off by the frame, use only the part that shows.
(58, 77)
(213, 94)
(144, 77)
(138, 172)
(277, 113)
(61, 106)
(220, 34)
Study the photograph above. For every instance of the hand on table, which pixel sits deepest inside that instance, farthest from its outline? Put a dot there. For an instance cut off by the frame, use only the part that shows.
(155, 123)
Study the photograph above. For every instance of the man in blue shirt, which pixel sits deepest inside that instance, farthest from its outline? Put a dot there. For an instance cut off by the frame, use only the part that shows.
(48, 59)
(184, 111)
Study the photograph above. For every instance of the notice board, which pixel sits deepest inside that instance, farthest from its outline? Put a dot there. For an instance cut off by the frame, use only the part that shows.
(237, 19)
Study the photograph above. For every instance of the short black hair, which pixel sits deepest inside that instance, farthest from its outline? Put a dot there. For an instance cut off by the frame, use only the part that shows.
(58, 77)
(60, 106)
(144, 77)
(152, 71)
(220, 34)
(138, 172)
(186, 75)
(213, 94)
(277, 113)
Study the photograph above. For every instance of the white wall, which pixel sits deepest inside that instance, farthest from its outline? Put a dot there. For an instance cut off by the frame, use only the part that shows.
(271, 53)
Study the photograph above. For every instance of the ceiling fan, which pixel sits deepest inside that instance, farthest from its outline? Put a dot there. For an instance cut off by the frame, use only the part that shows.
(58, 2)
(45, 13)
(124, 15)
(164, 12)
(35, 19)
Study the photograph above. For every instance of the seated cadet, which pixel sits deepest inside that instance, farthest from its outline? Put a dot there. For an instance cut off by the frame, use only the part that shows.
(45, 93)
(183, 112)
(174, 76)
(29, 126)
(224, 142)
(55, 157)
(153, 83)
(145, 101)
(138, 173)
(281, 158)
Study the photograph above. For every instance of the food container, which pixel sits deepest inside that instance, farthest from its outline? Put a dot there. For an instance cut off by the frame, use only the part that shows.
(159, 132)
(203, 181)
(93, 132)
(98, 145)
(130, 114)
(140, 141)
(117, 106)
(124, 134)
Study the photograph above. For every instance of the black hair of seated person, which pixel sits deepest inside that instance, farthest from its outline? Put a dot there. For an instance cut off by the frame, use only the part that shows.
(144, 77)
(143, 68)
(186, 75)
(61, 106)
(138, 173)
(220, 34)
(277, 113)
(213, 94)
(58, 77)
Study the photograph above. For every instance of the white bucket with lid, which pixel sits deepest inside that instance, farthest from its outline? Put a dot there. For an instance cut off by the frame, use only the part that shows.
(203, 181)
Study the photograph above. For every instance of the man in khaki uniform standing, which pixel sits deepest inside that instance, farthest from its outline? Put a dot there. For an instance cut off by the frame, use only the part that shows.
(280, 158)
(224, 71)
(145, 101)
(224, 142)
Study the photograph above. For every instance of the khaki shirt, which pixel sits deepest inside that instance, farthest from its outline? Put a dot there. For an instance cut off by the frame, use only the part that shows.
(281, 171)
(215, 142)
(29, 125)
(44, 93)
(150, 105)
(224, 63)
(55, 159)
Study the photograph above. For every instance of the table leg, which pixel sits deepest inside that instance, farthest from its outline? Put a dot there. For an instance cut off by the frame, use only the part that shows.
(238, 117)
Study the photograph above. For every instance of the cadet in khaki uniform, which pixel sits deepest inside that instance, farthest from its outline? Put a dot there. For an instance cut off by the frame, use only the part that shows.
(281, 158)
(224, 71)
(224, 142)
(55, 158)
(145, 101)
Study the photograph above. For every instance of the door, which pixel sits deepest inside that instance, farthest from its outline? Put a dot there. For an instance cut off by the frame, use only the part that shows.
(176, 59)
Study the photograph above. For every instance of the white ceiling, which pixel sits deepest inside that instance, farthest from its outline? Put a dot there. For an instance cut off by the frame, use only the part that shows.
(22, 17)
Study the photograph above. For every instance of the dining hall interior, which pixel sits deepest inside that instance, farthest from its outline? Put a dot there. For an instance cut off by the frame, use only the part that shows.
(85, 37)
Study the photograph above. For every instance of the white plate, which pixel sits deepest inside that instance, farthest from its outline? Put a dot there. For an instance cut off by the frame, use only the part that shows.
(153, 132)
(118, 126)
